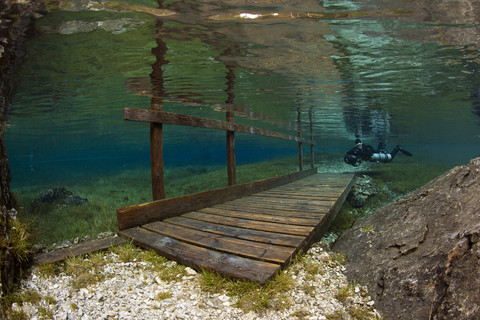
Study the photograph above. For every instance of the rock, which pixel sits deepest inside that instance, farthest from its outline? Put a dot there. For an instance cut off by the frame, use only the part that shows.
(52, 195)
(59, 196)
(362, 189)
(421, 255)
(75, 201)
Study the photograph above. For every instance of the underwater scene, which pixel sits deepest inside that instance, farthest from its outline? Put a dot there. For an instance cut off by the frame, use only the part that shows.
(395, 72)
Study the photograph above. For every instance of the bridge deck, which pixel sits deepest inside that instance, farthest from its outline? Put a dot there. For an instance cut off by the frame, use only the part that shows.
(250, 237)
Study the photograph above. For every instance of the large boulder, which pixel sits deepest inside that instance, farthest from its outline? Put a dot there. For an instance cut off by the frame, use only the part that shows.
(420, 256)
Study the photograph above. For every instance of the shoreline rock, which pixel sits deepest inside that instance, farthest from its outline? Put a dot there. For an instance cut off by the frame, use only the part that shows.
(421, 255)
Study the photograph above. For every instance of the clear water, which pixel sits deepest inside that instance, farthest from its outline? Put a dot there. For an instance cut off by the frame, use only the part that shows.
(379, 70)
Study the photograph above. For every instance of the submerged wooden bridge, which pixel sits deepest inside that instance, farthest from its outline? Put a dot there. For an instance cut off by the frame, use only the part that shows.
(246, 231)
(250, 237)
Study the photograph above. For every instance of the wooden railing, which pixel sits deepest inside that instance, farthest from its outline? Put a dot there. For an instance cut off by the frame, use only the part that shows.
(157, 118)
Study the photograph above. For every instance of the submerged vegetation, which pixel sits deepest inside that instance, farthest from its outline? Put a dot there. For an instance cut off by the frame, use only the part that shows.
(57, 222)
(54, 223)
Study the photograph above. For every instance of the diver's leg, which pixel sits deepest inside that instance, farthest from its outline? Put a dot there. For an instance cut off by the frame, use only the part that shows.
(401, 149)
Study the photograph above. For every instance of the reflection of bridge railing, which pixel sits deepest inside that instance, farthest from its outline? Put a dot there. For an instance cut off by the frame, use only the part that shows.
(158, 118)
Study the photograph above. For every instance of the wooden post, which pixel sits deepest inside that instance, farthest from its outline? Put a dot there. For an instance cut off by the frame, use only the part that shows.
(156, 155)
(312, 154)
(156, 129)
(231, 161)
(300, 149)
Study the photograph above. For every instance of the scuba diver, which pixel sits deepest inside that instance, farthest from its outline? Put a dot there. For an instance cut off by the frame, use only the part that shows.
(366, 152)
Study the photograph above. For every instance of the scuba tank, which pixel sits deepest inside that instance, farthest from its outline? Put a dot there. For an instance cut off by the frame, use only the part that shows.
(381, 157)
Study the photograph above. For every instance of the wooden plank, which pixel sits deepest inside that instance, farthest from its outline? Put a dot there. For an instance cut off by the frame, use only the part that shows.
(78, 250)
(231, 162)
(197, 257)
(250, 224)
(282, 207)
(240, 233)
(285, 213)
(245, 248)
(135, 215)
(144, 115)
(285, 200)
(299, 132)
(299, 196)
(327, 221)
(261, 217)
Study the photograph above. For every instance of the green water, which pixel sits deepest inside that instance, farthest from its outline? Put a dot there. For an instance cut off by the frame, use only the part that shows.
(392, 75)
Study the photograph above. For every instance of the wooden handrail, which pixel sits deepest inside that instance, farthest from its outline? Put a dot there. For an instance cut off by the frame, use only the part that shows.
(163, 117)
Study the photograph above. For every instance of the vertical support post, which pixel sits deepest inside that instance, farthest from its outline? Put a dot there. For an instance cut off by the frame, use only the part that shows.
(300, 149)
(312, 154)
(231, 161)
(156, 129)
(156, 154)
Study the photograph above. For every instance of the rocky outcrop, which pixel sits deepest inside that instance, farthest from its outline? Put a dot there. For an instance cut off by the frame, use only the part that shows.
(420, 256)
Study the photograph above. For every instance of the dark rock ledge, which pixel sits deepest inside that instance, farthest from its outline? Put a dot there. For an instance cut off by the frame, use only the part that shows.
(420, 256)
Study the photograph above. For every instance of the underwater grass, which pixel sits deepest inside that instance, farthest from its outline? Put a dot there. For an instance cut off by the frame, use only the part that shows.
(55, 222)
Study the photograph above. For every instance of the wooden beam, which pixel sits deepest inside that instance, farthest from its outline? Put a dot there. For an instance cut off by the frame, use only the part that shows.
(231, 161)
(136, 215)
(312, 154)
(151, 116)
(78, 250)
(156, 154)
(300, 147)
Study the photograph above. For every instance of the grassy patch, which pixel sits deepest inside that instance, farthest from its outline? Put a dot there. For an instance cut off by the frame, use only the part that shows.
(248, 295)
(166, 269)
(344, 293)
(164, 295)
(56, 222)
(86, 271)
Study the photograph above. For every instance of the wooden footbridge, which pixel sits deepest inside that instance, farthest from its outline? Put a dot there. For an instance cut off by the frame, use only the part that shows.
(246, 231)
(250, 237)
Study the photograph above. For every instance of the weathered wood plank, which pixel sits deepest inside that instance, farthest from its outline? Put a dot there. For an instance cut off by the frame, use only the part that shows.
(285, 213)
(240, 233)
(245, 248)
(325, 223)
(197, 257)
(250, 224)
(78, 250)
(283, 207)
(286, 200)
(261, 216)
(144, 115)
(135, 215)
